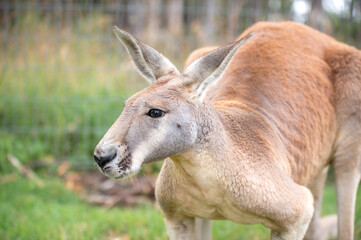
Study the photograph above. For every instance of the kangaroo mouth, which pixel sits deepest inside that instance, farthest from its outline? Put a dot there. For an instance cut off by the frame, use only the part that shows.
(119, 167)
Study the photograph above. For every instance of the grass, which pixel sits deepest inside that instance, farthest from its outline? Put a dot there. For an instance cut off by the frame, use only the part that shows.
(52, 212)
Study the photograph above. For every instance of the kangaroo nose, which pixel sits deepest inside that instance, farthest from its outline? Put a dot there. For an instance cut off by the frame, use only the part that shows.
(103, 160)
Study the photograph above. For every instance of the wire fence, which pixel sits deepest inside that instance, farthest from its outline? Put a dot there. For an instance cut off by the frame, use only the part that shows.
(64, 76)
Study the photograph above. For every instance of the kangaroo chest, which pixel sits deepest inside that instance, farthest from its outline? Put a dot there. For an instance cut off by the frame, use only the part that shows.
(198, 192)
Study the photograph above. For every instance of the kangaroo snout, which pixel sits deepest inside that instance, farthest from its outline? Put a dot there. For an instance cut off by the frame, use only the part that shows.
(104, 153)
(113, 158)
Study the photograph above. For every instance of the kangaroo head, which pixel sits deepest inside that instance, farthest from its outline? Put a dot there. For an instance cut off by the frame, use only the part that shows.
(161, 120)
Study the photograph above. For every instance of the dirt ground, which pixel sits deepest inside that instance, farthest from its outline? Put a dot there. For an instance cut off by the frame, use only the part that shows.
(98, 189)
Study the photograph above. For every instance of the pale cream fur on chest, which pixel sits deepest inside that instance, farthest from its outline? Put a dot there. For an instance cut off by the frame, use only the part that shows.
(204, 188)
(203, 195)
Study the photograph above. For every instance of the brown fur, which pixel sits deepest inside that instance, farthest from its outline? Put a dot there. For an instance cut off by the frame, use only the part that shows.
(301, 87)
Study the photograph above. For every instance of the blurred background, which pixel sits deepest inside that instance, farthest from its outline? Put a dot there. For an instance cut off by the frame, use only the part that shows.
(64, 78)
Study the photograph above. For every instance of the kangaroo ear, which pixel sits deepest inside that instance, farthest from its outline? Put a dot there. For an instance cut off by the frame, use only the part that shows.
(150, 63)
(207, 70)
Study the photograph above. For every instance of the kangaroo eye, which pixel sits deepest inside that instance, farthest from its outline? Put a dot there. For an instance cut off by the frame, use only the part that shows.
(155, 113)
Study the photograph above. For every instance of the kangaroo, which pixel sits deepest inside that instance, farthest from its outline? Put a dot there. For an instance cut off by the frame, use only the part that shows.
(247, 132)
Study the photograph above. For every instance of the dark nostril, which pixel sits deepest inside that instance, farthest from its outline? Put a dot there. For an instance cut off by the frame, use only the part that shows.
(103, 160)
(107, 157)
(96, 159)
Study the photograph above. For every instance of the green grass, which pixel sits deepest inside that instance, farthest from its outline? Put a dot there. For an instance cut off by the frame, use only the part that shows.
(52, 212)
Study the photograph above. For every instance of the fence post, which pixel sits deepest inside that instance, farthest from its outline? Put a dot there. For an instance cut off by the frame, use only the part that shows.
(233, 11)
(210, 19)
(175, 16)
(154, 17)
